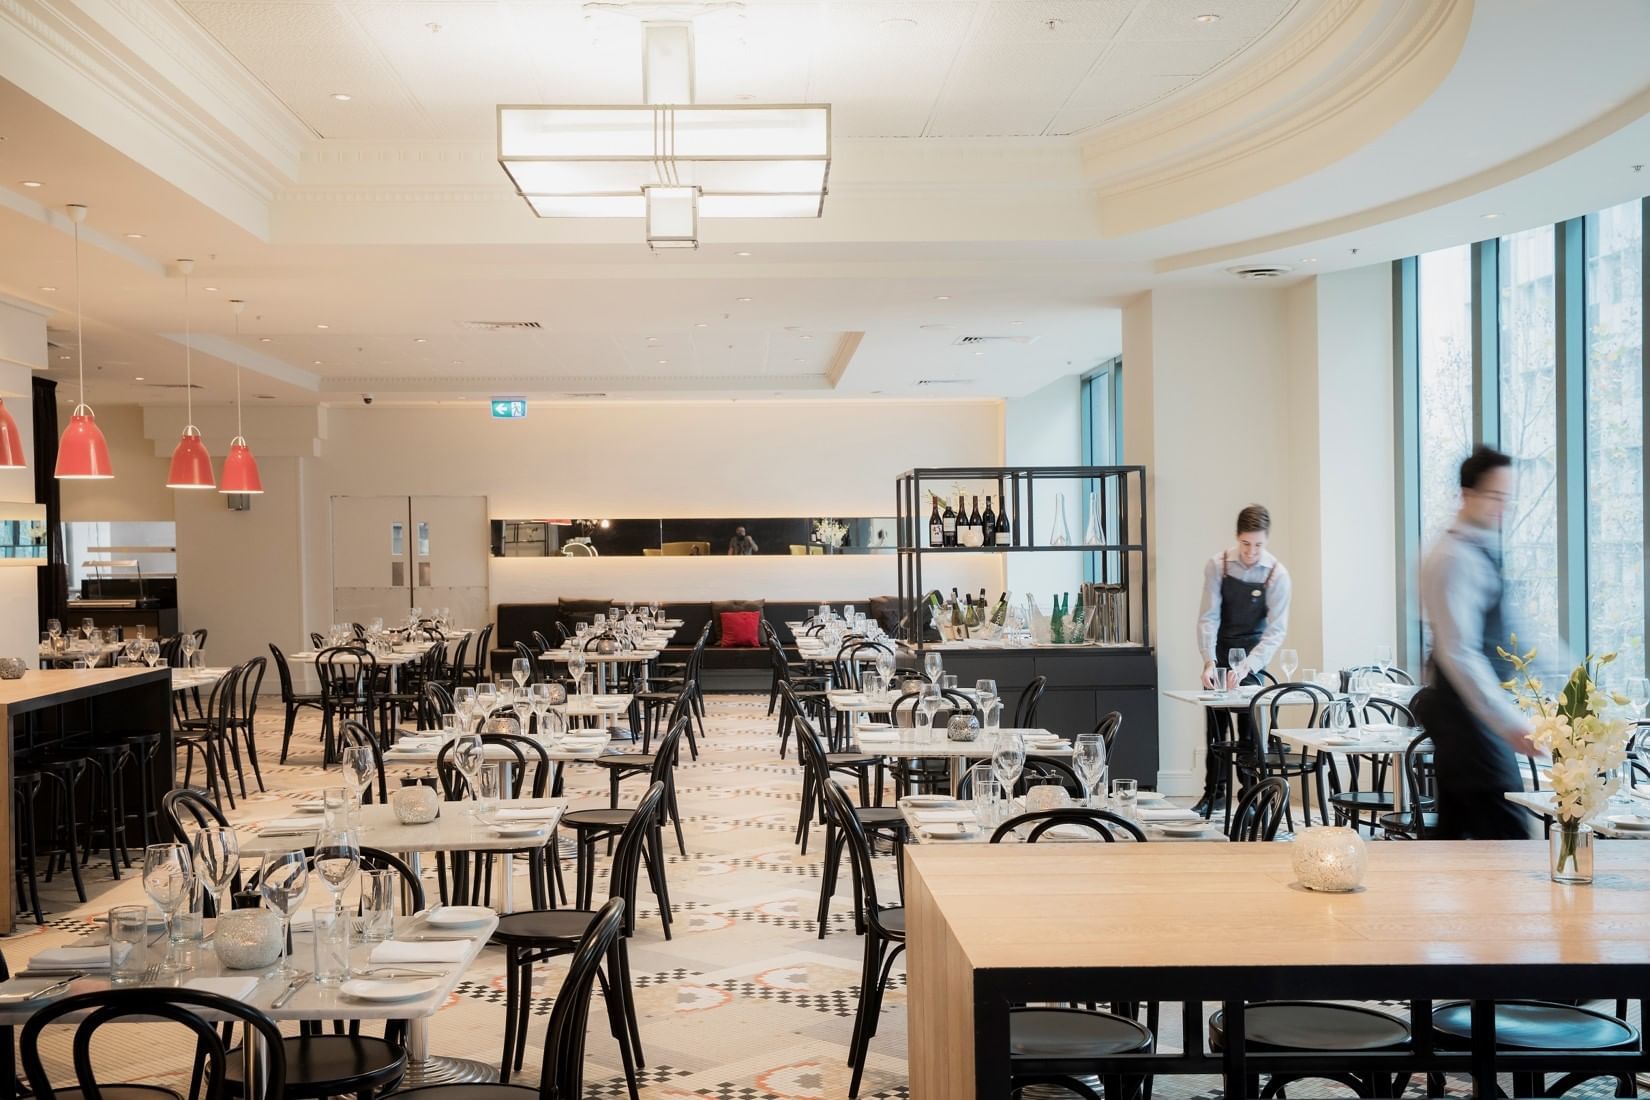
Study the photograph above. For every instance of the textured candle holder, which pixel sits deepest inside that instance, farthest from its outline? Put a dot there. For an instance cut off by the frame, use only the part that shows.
(962, 727)
(1329, 859)
(12, 668)
(415, 805)
(247, 939)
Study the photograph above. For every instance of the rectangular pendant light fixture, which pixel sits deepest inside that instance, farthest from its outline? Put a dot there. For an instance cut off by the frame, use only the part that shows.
(672, 216)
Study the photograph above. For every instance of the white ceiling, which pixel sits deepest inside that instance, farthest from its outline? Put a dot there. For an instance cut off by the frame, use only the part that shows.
(395, 225)
(902, 69)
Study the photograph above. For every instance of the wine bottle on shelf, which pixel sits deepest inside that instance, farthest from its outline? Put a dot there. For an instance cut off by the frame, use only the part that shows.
(988, 525)
(965, 529)
(999, 615)
(948, 526)
(1004, 534)
(976, 524)
(936, 526)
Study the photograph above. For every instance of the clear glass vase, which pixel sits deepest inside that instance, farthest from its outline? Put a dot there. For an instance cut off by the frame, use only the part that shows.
(1570, 846)
(1094, 532)
(1060, 533)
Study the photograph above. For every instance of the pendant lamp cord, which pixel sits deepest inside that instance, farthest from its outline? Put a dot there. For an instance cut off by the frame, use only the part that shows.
(79, 317)
(239, 434)
(188, 362)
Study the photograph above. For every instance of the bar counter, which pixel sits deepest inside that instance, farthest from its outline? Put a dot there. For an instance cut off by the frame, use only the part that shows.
(36, 710)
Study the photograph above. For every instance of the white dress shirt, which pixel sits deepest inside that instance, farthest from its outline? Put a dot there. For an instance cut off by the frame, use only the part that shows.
(1459, 585)
(1278, 588)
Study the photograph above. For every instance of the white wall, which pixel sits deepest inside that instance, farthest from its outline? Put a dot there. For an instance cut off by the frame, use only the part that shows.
(1045, 428)
(138, 490)
(22, 348)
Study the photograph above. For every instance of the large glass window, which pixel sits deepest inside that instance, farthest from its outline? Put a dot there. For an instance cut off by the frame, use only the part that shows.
(1445, 391)
(1615, 435)
(1529, 431)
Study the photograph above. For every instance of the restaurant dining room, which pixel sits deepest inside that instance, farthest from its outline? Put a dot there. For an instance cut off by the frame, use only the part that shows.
(824, 549)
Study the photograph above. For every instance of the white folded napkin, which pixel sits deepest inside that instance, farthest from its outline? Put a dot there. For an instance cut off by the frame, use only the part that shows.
(944, 828)
(71, 958)
(877, 736)
(1378, 727)
(235, 988)
(528, 813)
(287, 826)
(1174, 813)
(934, 817)
(398, 951)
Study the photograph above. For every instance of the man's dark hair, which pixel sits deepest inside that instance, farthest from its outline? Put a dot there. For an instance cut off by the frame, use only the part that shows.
(1254, 518)
(1482, 460)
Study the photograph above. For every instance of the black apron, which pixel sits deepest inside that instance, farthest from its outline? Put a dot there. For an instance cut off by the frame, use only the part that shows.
(1475, 766)
(1242, 616)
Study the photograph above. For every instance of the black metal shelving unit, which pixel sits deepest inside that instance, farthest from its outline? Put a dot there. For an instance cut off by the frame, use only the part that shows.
(1120, 562)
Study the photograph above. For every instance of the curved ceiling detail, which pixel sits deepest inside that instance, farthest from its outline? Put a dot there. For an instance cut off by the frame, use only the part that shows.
(1353, 72)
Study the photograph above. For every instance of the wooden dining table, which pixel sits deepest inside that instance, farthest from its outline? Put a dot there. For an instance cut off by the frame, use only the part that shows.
(1207, 925)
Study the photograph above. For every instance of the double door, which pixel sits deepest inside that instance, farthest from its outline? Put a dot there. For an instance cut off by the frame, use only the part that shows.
(391, 554)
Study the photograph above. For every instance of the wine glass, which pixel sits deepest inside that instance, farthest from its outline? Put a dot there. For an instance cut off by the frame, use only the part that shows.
(1088, 760)
(520, 671)
(283, 880)
(464, 702)
(1638, 694)
(522, 704)
(151, 653)
(337, 859)
(168, 878)
(86, 628)
(1358, 690)
(1234, 660)
(1383, 658)
(468, 754)
(54, 629)
(932, 666)
(1289, 661)
(1008, 757)
(929, 703)
(189, 644)
(575, 668)
(486, 699)
(359, 768)
(217, 857)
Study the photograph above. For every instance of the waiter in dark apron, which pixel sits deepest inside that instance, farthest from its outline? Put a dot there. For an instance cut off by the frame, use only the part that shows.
(1476, 729)
(1245, 606)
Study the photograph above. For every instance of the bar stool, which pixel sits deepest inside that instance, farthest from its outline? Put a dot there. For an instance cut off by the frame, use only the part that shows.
(146, 757)
(60, 782)
(106, 807)
(25, 789)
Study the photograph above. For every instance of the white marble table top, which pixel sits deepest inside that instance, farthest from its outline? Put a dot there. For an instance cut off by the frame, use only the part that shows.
(454, 831)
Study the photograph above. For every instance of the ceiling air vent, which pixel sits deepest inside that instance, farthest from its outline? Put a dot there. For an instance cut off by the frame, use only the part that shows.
(498, 326)
(1261, 271)
(945, 381)
(174, 386)
(983, 341)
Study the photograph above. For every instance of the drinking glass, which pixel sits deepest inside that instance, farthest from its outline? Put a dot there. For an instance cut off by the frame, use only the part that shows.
(189, 644)
(377, 905)
(487, 794)
(1008, 758)
(151, 653)
(486, 698)
(86, 629)
(359, 768)
(1218, 681)
(1125, 796)
(948, 681)
(986, 689)
(988, 794)
(128, 944)
(1638, 694)
(337, 859)
(331, 934)
(451, 726)
(1289, 661)
(282, 880)
(54, 629)
(217, 853)
(575, 667)
(932, 663)
(464, 701)
(1234, 663)
(520, 671)
(1088, 760)
(522, 704)
(168, 875)
(1340, 716)
(993, 714)
(1383, 658)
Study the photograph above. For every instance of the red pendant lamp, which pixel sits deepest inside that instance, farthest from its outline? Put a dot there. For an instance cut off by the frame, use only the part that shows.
(82, 453)
(240, 469)
(191, 465)
(11, 442)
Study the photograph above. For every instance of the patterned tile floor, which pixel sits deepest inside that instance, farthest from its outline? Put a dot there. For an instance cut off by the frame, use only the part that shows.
(744, 1003)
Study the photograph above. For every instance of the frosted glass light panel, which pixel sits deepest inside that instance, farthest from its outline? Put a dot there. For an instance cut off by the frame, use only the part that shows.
(672, 217)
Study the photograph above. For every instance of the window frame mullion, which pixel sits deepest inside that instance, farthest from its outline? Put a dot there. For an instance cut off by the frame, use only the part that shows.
(1570, 393)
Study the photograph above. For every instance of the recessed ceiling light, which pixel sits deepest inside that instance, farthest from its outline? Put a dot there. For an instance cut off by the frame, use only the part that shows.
(979, 353)
(898, 24)
(1490, 217)
(798, 360)
(65, 357)
(341, 97)
(663, 362)
(1016, 322)
(418, 339)
(264, 339)
(1309, 259)
(942, 297)
(805, 336)
(701, 324)
(1209, 17)
(741, 253)
(134, 236)
(741, 299)
(458, 362)
(323, 326)
(314, 362)
(48, 288)
(31, 183)
(211, 288)
(264, 396)
(743, 97)
(138, 378)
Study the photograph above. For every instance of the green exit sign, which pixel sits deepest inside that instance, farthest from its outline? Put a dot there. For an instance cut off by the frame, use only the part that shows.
(509, 408)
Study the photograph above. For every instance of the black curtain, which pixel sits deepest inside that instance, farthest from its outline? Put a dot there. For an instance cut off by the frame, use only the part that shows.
(53, 577)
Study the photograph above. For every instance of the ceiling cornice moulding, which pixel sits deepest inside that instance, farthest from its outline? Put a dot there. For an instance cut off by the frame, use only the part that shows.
(1316, 100)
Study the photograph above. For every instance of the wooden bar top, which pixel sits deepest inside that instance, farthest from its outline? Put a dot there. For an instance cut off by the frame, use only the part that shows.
(1195, 905)
(40, 688)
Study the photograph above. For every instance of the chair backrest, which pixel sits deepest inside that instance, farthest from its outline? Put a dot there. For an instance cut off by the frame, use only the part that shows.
(348, 674)
(195, 1010)
(1259, 810)
(317, 640)
(903, 710)
(1421, 774)
(1107, 729)
(1098, 825)
(1267, 707)
(1391, 711)
(1025, 711)
(249, 681)
(841, 813)
(456, 666)
(437, 702)
(633, 841)
(540, 642)
(1043, 769)
(483, 640)
(354, 733)
(187, 811)
(375, 859)
(525, 652)
(284, 671)
(561, 1075)
(664, 757)
(221, 704)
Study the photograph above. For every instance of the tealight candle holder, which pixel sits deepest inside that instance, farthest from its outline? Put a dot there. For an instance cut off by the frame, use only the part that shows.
(1330, 859)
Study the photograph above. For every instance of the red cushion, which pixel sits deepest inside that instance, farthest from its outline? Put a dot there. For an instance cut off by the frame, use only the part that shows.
(739, 629)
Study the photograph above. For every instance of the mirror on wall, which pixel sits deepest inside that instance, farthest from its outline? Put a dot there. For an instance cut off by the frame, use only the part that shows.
(803, 536)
